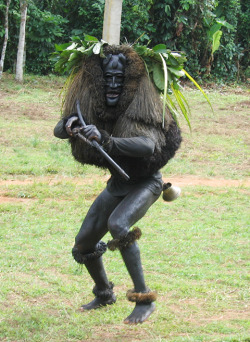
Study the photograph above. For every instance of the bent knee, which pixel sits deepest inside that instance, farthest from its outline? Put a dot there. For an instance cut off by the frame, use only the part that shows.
(116, 229)
(84, 245)
(83, 257)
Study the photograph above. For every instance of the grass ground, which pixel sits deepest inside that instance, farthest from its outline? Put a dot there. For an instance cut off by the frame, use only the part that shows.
(195, 250)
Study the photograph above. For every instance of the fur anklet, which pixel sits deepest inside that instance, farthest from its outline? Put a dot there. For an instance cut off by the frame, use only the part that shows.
(125, 241)
(104, 294)
(140, 297)
(83, 258)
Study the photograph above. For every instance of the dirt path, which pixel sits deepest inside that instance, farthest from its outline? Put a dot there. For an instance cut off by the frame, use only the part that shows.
(213, 182)
(181, 181)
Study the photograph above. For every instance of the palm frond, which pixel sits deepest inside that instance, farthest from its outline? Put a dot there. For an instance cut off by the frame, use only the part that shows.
(165, 88)
(197, 85)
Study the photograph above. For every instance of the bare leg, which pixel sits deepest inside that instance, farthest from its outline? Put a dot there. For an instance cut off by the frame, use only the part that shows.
(127, 213)
(94, 227)
(103, 289)
(131, 257)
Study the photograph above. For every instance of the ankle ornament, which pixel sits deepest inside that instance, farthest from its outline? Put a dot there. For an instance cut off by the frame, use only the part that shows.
(125, 241)
(141, 297)
(83, 258)
(104, 294)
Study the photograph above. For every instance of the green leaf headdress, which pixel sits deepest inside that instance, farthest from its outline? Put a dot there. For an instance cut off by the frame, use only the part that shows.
(164, 67)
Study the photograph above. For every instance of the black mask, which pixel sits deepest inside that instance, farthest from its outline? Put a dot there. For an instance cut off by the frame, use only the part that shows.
(113, 69)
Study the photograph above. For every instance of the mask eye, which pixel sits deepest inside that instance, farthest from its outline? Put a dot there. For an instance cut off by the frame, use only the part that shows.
(119, 78)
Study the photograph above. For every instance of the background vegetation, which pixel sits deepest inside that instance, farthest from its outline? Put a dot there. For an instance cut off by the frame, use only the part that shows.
(185, 25)
(195, 250)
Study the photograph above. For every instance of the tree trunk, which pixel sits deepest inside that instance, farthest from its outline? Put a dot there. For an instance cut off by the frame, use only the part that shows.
(6, 37)
(21, 43)
(112, 21)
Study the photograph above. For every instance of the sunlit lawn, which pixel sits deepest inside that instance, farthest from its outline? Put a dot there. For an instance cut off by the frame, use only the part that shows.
(195, 250)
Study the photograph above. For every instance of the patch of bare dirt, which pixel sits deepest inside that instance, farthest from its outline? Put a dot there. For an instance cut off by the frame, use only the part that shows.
(227, 315)
(33, 111)
(181, 181)
(177, 180)
(238, 106)
(199, 315)
(213, 182)
(227, 125)
(4, 199)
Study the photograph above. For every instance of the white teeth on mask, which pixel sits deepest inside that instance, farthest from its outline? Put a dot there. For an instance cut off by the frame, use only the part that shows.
(112, 95)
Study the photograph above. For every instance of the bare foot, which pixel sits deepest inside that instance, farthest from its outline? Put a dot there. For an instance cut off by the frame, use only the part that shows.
(140, 313)
(98, 303)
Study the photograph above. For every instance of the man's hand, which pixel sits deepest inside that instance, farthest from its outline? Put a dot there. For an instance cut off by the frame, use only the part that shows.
(72, 126)
(91, 133)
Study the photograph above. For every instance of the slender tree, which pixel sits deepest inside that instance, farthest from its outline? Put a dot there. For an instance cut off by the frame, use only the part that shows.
(21, 43)
(6, 37)
(112, 21)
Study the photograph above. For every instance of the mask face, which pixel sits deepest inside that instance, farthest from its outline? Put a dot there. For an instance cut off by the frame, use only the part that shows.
(113, 68)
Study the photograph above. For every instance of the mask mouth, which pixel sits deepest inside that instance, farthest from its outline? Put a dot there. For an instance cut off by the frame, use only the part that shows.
(112, 95)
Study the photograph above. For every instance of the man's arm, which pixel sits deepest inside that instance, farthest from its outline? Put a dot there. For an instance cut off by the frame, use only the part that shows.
(64, 128)
(60, 131)
(131, 147)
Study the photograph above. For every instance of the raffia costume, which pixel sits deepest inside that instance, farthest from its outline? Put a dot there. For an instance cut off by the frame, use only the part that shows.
(132, 134)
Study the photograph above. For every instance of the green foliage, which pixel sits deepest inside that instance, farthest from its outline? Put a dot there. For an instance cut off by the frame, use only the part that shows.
(94, 11)
(165, 68)
(138, 13)
(2, 10)
(243, 38)
(68, 56)
(14, 22)
(152, 58)
(76, 12)
(43, 31)
(199, 34)
(232, 57)
(214, 34)
(162, 16)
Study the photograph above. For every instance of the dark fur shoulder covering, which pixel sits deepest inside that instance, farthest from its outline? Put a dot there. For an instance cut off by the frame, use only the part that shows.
(143, 167)
(138, 113)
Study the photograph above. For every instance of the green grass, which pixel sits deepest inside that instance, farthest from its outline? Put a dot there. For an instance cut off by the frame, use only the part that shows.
(195, 250)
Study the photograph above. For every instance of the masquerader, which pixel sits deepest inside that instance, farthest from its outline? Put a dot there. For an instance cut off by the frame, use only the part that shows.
(123, 112)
